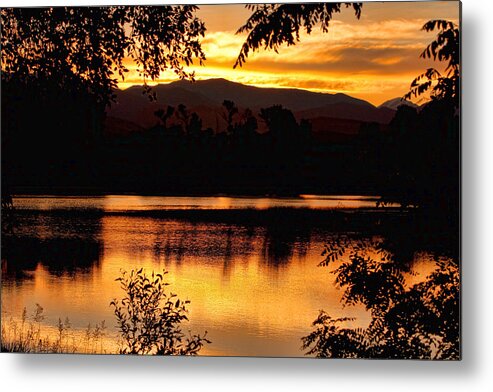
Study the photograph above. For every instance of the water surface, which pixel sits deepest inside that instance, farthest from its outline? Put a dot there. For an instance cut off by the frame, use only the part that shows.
(256, 288)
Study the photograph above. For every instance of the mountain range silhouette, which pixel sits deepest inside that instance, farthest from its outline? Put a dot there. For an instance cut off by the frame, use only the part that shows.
(134, 111)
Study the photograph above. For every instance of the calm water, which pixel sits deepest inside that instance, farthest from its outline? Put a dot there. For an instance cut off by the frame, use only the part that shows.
(255, 288)
(146, 203)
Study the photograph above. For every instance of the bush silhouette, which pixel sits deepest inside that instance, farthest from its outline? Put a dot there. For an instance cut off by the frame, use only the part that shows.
(149, 319)
(417, 322)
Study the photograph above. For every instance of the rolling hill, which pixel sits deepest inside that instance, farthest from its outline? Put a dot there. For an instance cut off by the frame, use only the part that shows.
(205, 97)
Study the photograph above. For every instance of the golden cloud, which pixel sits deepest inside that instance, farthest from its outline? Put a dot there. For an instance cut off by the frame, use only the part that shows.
(372, 58)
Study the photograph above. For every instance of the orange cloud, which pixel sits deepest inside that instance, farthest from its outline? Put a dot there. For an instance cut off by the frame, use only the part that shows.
(374, 58)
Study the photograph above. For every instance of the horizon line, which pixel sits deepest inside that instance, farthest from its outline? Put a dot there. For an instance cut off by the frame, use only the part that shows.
(262, 86)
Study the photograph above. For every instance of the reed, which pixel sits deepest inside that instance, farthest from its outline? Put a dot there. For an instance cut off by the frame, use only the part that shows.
(25, 335)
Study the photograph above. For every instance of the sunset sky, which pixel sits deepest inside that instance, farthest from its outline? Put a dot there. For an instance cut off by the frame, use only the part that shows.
(374, 58)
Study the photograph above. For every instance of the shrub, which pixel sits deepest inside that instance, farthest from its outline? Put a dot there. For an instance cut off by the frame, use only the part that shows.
(417, 322)
(149, 319)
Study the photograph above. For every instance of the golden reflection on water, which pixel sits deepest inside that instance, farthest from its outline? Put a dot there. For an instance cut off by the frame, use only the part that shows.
(248, 306)
(254, 291)
(118, 203)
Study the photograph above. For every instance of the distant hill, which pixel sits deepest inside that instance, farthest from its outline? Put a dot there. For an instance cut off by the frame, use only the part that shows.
(134, 106)
(218, 90)
(394, 103)
(205, 97)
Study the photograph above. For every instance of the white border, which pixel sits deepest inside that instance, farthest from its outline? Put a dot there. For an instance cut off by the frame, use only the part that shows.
(94, 373)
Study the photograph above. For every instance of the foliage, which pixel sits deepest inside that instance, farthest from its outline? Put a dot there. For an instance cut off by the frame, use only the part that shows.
(93, 338)
(149, 319)
(446, 47)
(180, 153)
(423, 149)
(59, 71)
(422, 154)
(272, 25)
(82, 49)
(231, 111)
(25, 336)
(417, 322)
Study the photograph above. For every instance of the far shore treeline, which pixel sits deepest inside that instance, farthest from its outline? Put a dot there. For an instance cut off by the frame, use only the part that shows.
(55, 123)
(56, 127)
(58, 141)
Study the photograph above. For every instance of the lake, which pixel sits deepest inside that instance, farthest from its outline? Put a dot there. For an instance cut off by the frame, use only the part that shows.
(254, 284)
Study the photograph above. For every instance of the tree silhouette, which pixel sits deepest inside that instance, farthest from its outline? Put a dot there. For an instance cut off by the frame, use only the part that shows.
(424, 149)
(446, 47)
(165, 115)
(421, 321)
(83, 48)
(59, 70)
(272, 25)
(231, 111)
